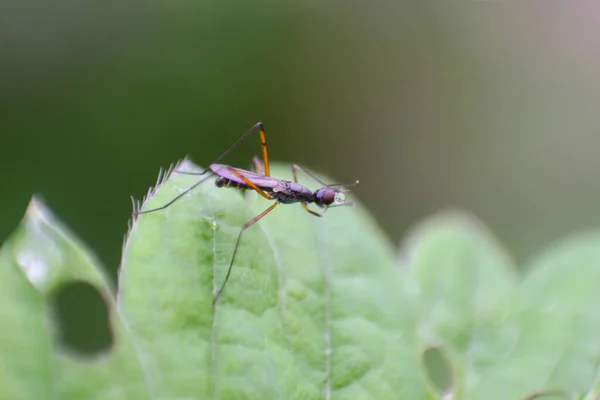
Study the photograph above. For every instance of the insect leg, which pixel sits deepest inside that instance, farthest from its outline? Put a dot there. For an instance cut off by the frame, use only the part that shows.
(237, 243)
(174, 199)
(296, 167)
(263, 141)
(250, 184)
(308, 210)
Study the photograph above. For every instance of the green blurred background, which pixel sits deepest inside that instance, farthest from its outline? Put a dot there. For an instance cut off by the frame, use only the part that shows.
(490, 106)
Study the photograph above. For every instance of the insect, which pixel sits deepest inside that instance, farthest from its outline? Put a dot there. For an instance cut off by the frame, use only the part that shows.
(279, 190)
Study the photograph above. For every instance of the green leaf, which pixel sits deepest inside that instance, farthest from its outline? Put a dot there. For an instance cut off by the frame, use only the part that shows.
(458, 276)
(556, 314)
(503, 340)
(460, 273)
(314, 307)
(39, 259)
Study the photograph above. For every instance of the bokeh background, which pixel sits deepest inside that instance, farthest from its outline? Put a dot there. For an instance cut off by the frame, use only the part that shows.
(492, 106)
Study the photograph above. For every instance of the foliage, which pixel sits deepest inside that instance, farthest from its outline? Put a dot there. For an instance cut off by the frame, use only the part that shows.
(316, 308)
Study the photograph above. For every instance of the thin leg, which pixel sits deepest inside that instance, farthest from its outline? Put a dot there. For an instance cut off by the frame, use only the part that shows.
(173, 200)
(346, 204)
(189, 172)
(345, 185)
(263, 140)
(250, 184)
(237, 243)
(308, 210)
(296, 167)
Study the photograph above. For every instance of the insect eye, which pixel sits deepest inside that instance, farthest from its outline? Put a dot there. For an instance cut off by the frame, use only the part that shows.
(332, 196)
(328, 196)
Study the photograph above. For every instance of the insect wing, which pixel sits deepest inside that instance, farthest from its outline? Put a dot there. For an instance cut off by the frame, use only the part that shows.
(259, 180)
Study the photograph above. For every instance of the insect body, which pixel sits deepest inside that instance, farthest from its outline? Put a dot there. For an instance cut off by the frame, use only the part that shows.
(281, 191)
(285, 192)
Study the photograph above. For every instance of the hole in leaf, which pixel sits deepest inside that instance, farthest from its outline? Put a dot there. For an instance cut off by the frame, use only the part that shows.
(82, 319)
(438, 370)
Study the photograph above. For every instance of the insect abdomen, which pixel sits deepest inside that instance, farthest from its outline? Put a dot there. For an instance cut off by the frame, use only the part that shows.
(228, 183)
